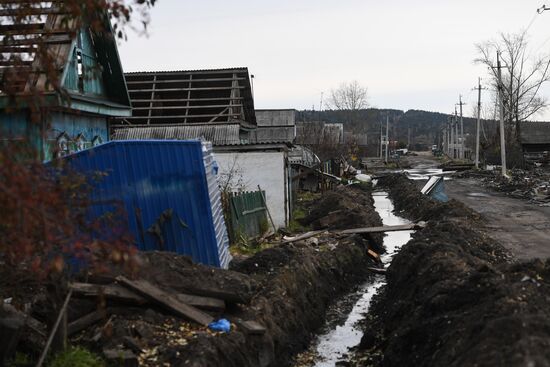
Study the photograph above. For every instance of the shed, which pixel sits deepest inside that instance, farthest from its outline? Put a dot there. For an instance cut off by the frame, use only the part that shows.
(87, 88)
(169, 191)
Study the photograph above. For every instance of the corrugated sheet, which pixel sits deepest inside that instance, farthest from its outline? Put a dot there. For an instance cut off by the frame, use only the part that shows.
(275, 134)
(220, 134)
(220, 229)
(149, 178)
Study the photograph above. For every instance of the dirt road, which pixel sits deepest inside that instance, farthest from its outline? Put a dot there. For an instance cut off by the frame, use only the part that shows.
(521, 227)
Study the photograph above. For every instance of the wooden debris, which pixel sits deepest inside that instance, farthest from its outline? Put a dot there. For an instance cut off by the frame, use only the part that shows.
(205, 303)
(112, 291)
(374, 255)
(165, 299)
(304, 236)
(402, 227)
(87, 320)
(30, 321)
(227, 296)
(250, 327)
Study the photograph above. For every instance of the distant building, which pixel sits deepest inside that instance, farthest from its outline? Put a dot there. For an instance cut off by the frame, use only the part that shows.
(535, 136)
(89, 70)
(276, 125)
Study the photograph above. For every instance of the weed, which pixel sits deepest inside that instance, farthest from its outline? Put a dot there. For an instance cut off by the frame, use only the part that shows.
(76, 357)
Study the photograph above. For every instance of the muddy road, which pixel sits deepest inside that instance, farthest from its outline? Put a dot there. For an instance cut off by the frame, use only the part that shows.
(520, 226)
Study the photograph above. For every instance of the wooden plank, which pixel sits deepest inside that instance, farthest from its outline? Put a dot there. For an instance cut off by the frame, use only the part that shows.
(112, 291)
(251, 327)
(169, 81)
(183, 107)
(304, 236)
(166, 117)
(165, 299)
(87, 320)
(182, 89)
(160, 99)
(227, 296)
(204, 303)
(382, 229)
(377, 270)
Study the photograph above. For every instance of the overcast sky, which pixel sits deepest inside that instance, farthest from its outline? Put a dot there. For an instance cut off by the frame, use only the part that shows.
(410, 54)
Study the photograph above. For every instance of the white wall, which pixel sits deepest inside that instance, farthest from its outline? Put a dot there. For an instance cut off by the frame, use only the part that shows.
(247, 170)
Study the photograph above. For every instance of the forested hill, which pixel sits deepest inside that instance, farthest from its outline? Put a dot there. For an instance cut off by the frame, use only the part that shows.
(424, 126)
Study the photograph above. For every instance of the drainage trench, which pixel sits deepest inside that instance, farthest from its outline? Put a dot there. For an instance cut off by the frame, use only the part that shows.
(342, 330)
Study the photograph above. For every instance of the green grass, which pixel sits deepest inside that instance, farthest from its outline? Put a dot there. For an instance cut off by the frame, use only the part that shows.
(76, 357)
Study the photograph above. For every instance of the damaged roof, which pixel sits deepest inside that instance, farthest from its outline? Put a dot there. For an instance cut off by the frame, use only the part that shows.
(191, 97)
(217, 134)
(45, 49)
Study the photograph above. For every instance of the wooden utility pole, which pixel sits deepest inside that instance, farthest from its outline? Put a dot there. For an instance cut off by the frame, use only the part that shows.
(478, 120)
(502, 133)
(452, 146)
(457, 151)
(461, 147)
(381, 141)
(387, 136)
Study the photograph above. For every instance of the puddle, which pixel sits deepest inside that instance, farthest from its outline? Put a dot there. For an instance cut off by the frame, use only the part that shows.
(478, 195)
(333, 345)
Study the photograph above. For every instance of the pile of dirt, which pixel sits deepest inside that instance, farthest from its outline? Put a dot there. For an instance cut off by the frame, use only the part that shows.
(345, 207)
(454, 298)
(412, 204)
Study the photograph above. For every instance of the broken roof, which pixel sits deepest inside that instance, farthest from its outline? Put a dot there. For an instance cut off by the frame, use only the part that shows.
(42, 45)
(217, 134)
(191, 97)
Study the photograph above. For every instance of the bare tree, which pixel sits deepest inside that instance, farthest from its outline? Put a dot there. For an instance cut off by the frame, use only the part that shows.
(523, 74)
(348, 96)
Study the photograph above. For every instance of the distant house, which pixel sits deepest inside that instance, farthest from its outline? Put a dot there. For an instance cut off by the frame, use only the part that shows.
(276, 125)
(535, 136)
(216, 106)
(89, 71)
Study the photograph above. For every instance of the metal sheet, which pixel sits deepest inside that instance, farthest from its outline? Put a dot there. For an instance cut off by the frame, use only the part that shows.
(147, 178)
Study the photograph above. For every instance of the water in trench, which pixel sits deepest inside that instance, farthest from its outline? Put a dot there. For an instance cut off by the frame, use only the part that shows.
(333, 344)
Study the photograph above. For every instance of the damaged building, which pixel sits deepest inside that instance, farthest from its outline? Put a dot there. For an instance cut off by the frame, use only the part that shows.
(88, 71)
(217, 106)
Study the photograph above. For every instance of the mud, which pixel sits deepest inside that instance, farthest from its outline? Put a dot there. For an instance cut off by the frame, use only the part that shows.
(454, 298)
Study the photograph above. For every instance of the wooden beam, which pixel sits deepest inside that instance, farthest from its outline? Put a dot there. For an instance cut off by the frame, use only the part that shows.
(183, 107)
(181, 89)
(304, 236)
(166, 117)
(130, 76)
(54, 39)
(160, 99)
(183, 81)
(165, 299)
(29, 11)
(112, 291)
(382, 229)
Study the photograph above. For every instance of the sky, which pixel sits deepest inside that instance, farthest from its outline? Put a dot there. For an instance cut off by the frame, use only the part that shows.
(409, 54)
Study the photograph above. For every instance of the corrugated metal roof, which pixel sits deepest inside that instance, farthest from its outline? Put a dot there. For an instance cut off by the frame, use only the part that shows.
(218, 134)
(150, 178)
(535, 132)
(243, 68)
(276, 118)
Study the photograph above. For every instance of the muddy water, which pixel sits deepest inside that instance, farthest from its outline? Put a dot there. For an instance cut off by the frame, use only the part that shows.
(334, 343)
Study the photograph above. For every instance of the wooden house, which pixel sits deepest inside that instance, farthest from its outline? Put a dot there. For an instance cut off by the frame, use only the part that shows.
(66, 107)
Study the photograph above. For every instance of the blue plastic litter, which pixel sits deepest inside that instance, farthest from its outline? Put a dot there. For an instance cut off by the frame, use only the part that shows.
(222, 325)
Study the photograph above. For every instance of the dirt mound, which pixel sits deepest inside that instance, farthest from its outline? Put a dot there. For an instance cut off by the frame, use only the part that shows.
(343, 208)
(453, 298)
(408, 200)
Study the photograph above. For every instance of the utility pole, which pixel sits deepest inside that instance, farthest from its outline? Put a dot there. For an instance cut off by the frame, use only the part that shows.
(478, 126)
(381, 141)
(461, 147)
(502, 134)
(387, 137)
(457, 149)
(451, 146)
